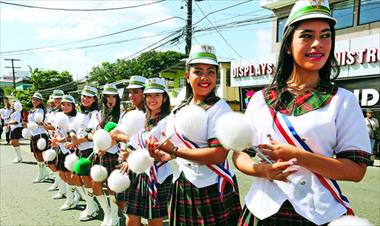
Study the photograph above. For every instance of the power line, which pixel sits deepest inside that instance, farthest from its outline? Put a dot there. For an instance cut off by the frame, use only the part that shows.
(93, 38)
(97, 45)
(87, 10)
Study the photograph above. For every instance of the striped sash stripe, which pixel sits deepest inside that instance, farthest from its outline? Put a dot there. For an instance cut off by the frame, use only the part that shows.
(221, 170)
(331, 185)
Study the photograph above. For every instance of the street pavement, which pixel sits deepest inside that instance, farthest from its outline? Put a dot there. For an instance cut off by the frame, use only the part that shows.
(25, 203)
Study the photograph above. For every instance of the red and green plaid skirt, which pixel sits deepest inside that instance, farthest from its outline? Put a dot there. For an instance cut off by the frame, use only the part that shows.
(190, 205)
(286, 216)
(139, 202)
(108, 160)
(34, 140)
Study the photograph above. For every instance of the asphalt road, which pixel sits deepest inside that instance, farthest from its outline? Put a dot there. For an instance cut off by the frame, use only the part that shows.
(24, 203)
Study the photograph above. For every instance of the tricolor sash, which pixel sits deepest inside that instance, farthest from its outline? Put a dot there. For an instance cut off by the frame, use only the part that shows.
(222, 170)
(331, 185)
(152, 176)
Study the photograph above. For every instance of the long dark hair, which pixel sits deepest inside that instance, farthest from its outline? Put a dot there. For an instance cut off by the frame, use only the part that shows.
(72, 113)
(164, 109)
(327, 74)
(94, 106)
(114, 113)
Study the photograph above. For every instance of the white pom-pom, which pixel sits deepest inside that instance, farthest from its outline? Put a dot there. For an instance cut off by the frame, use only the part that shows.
(61, 121)
(41, 144)
(233, 131)
(132, 123)
(6, 129)
(26, 133)
(38, 117)
(350, 221)
(70, 161)
(98, 173)
(95, 149)
(139, 161)
(191, 120)
(49, 155)
(118, 182)
(17, 106)
(32, 126)
(102, 139)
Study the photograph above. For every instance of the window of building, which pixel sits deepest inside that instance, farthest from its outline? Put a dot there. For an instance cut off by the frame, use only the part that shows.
(369, 11)
(343, 12)
(280, 27)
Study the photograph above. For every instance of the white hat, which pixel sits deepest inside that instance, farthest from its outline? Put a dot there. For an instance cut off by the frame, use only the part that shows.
(51, 99)
(110, 89)
(155, 85)
(202, 54)
(37, 95)
(89, 91)
(136, 81)
(311, 9)
(68, 99)
(57, 93)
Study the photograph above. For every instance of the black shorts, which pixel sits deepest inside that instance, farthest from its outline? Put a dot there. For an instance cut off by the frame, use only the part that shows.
(16, 133)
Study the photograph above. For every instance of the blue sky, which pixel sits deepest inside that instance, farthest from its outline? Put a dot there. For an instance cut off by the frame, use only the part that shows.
(57, 33)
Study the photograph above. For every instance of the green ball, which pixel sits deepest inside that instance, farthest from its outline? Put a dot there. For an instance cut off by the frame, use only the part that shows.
(110, 126)
(82, 167)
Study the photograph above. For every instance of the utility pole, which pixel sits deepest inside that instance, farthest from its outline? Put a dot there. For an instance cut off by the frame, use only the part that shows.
(13, 70)
(189, 26)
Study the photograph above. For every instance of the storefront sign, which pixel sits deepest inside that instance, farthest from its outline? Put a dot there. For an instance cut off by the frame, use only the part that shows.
(360, 56)
(253, 70)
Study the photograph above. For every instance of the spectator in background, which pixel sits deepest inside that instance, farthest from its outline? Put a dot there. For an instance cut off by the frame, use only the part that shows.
(372, 124)
(6, 117)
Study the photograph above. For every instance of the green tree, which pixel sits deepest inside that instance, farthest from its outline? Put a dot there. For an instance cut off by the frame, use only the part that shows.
(45, 79)
(148, 64)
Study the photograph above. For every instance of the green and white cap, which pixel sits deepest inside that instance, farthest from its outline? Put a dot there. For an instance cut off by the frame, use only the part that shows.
(51, 99)
(136, 81)
(37, 95)
(110, 89)
(68, 99)
(202, 54)
(155, 85)
(89, 91)
(57, 93)
(309, 9)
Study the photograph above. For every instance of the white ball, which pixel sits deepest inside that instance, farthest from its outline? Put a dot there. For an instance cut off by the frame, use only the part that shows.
(32, 126)
(102, 139)
(41, 144)
(38, 117)
(61, 121)
(98, 173)
(192, 120)
(26, 133)
(49, 155)
(350, 221)
(17, 106)
(118, 182)
(233, 131)
(140, 161)
(132, 123)
(70, 161)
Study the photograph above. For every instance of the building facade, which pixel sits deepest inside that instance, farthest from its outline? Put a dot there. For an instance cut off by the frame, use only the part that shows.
(357, 51)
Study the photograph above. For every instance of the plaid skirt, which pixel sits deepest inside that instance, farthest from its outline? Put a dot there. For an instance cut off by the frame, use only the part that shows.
(190, 205)
(139, 202)
(60, 161)
(108, 160)
(34, 140)
(16, 133)
(84, 153)
(286, 216)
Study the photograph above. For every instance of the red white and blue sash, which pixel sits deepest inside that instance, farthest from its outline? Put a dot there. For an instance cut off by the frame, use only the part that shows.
(331, 185)
(152, 177)
(222, 170)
